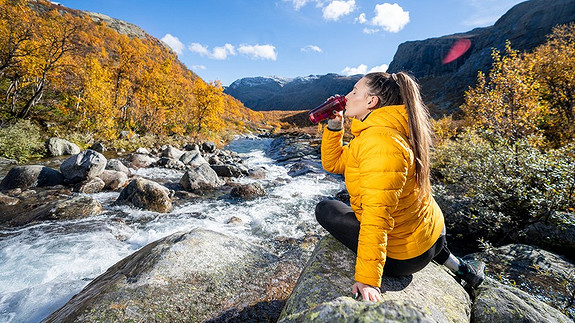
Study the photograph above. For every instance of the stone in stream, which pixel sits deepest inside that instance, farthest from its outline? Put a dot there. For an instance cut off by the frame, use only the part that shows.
(193, 276)
(146, 194)
(90, 186)
(323, 293)
(248, 191)
(200, 178)
(85, 165)
(113, 180)
(31, 176)
(59, 147)
(193, 158)
(114, 164)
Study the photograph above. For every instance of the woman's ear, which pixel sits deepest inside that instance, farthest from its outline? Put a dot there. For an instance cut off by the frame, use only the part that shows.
(373, 102)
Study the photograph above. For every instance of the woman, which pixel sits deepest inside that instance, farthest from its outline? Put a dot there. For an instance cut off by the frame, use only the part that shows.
(394, 224)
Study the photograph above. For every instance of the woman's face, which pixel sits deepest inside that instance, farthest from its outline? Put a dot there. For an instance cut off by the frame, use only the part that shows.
(359, 102)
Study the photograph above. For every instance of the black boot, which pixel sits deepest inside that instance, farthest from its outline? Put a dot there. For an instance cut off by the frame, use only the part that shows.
(472, 272)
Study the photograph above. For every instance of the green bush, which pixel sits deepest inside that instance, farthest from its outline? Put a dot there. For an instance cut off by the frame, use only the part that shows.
(21, 141)
(504, 187)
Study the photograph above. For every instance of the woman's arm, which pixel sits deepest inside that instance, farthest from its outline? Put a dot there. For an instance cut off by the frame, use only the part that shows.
(333, 154)
(383, 166)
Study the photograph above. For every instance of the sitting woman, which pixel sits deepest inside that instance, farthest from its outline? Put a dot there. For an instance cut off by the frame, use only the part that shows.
(394, 225)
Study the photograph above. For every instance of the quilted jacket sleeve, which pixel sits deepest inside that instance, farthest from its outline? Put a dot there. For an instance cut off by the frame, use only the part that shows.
(383, 167)
(333, 154)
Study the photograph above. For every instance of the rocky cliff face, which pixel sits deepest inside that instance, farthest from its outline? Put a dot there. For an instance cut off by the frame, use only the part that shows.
(273, 93)
(525, 25)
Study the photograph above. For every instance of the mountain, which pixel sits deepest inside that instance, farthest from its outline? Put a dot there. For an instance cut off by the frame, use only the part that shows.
(443, 85)
(300, 93)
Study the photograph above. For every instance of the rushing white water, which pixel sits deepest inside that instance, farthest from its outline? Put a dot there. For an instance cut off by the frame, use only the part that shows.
(44, 265)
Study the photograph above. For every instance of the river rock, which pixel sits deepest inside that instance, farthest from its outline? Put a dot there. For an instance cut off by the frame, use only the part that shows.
(49, 205)
(291, 148)
(200, 178)
(87, 164)
(170, 163)
(141, 160)
(90, 186)
(142, 151)
(59, 147)
(533, 270)
(6, 161)
(193, 158)
(248, 191)
(99, 147)
(323, 293)
(193, 276)
(209, 147)
(31, 176)
(145, 194)
(114, 164)
(301, 168)
(496, 302)
(8, 200)
(228, 170)
(113, 179)
(171, 152)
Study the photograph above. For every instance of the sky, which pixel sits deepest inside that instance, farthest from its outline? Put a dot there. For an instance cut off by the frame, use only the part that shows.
(226, 40)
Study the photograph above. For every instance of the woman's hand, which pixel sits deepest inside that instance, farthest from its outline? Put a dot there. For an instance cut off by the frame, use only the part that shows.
(335, 122)
(368, 293)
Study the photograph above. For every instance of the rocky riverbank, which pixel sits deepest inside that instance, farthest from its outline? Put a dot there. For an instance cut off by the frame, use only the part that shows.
(205, 275)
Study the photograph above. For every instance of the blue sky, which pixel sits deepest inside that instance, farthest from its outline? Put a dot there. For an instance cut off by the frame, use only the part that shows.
(230, 39)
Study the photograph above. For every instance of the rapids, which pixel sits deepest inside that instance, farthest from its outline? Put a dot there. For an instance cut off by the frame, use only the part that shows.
(43, 265)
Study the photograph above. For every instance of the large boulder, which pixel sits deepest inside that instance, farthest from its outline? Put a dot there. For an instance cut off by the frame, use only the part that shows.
(193, 276)
(141, 160)
(531, 270)
(323, 293)
(200, 178)
(145, 194)
(31, 176)
(85, 165)
(496, 302)
(59, 147)
(229, 170)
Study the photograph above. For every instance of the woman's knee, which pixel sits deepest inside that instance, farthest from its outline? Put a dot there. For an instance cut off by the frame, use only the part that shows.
(321, 211)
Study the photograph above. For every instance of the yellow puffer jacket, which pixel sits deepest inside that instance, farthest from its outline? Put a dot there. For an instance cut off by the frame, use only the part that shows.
(379, 169)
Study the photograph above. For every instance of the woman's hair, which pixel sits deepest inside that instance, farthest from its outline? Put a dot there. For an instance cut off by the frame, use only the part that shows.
(400, 88)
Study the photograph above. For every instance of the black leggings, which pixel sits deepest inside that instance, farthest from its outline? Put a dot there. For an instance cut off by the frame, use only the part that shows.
(339, 220)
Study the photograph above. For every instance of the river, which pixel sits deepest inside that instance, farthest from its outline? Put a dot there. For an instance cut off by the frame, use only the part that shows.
(43, 265)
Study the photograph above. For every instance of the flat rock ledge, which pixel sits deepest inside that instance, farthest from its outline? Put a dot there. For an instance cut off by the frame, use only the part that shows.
(323, 293)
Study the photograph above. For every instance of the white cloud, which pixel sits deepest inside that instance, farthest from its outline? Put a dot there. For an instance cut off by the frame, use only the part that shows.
(198, 67)
(259, 51)
(219, 53)
(370, 30)
(361, 69)
(391, 17)
(380, 68)
(174, 43)
(297, 4)
(312, 48)
(361, 18)
(337, 9)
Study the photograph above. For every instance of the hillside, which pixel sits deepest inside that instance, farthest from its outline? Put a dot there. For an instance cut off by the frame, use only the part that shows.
(525, 26)
(301, 93)
(75, 71)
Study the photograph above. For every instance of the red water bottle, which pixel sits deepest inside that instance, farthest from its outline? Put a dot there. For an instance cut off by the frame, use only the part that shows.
(326, 109)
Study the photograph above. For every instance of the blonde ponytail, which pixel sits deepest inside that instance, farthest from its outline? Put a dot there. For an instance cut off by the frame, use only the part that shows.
(400, 88)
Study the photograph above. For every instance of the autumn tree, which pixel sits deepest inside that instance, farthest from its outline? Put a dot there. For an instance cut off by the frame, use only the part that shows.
(209, 106)
(507, 101)
(554, 67)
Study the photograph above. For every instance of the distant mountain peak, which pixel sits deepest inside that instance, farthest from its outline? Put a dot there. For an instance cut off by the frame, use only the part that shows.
(283, 93)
